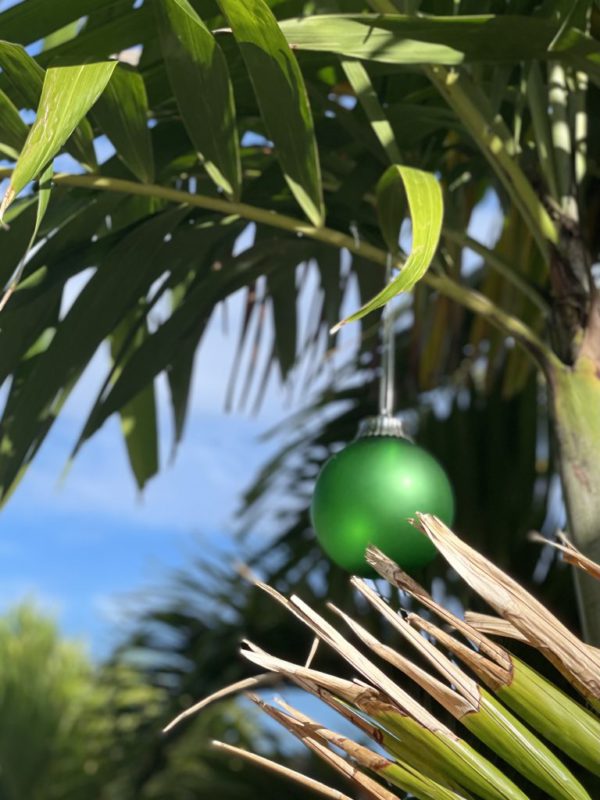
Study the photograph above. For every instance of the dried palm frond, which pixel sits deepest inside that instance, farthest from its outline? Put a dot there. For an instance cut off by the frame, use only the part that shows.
(500, 700)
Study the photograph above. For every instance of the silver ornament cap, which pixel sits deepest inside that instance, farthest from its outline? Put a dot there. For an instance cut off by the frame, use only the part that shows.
(382, 425)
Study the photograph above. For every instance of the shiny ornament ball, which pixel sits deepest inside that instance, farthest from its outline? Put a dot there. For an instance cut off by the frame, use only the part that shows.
(366, 493)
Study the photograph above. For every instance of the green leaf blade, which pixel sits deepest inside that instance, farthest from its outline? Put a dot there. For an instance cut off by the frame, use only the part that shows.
(43, 198)
(181, 370)
(200, 81)
(81, 145)
(36, 19)
(282, 99)
(138, 417)
(360, 81)
(282, 290)
(426, 206)
(68, 93)
(98, 309)
(122, 112)
(179, 376)
(570, 726)
(23, 83)
(23, 76)
(521, 748)
(13, 131)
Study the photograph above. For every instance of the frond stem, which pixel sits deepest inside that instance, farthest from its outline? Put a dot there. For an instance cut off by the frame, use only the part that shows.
(502, 267)
(469, 298)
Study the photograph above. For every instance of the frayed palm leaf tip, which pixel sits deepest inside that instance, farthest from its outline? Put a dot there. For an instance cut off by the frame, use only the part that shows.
(404, 746)
(577, 661)
(569, 552)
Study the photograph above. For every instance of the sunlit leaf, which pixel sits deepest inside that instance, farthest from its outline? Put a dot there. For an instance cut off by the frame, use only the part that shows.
(444, 40)
(61, 35)
(68, 94)
(426, 206)
(24, 80)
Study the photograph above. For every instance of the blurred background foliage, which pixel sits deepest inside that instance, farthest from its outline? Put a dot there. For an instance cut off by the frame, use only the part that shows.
(73, 729)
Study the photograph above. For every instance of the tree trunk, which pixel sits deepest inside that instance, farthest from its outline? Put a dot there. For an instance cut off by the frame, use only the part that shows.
(575, 397)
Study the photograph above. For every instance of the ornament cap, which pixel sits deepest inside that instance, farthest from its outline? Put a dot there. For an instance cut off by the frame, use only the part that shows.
(382, 425)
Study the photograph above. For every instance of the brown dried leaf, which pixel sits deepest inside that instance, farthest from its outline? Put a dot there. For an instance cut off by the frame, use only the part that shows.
(446, 696)
(227, 691)
(578, 662)
(368, 787)
(286, 772)
(494, 626)
(392, 573)
(372, 673)
(363, 697)
(347, 690)
(467, 687)
(489, 672)
(570, 553)
(318, 737)
(353, 656)
(365, 757)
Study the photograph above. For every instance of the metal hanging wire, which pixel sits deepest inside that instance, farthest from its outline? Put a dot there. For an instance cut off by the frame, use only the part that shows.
(387, 395)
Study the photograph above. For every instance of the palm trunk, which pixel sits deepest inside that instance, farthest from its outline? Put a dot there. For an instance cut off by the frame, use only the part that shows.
(575, 396)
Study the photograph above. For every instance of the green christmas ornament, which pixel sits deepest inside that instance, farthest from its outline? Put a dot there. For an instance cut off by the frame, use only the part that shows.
(366, 493)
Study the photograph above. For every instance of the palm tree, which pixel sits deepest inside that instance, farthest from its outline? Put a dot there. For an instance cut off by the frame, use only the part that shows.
(302, 124)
